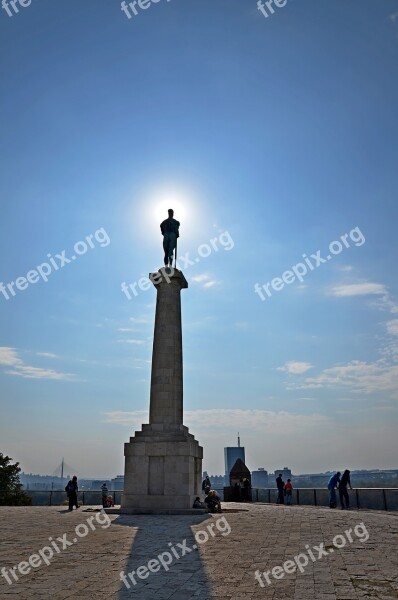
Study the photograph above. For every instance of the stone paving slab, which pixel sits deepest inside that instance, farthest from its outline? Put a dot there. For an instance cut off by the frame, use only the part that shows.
(230, 548)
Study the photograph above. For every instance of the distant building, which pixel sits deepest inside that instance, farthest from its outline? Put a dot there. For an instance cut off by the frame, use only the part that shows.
(286, 474)
(117, 483)
(231, 455)
(97, 483)
(217, 481)
(260, 478)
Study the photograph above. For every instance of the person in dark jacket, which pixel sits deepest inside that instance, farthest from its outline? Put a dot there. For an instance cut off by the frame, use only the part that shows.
(72, 490)
(213, 502)
(198, 504)
(333, 483)
(280, 484)
(206, 485)
(343, 493)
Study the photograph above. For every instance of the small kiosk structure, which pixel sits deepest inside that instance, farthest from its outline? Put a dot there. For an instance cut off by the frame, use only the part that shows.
(240, 484)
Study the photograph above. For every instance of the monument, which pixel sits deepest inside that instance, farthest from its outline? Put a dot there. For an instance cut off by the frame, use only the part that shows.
(163, 461)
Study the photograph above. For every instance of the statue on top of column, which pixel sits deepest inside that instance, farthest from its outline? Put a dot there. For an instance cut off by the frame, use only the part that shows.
(169, 228)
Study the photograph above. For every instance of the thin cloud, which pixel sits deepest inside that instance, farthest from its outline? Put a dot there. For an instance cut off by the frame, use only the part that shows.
(9, 357)
(205, 280)
(235, 419)
(295, 367)
(393, 17)
(382, 300)
(200, 278)
(132, 341)
(392, 327)
(358, 376)
(36, 373)
(139, 320)
(358, 289)
(47, 354)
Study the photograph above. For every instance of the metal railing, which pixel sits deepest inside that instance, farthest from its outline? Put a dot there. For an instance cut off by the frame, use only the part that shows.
(360, 498)
(365, 498)
(59, 497)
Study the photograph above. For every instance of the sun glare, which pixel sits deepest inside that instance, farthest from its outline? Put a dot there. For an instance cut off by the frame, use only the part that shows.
(181, 201)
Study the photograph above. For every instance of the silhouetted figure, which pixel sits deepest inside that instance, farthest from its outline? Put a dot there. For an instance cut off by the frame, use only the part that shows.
(237, 492)
(246, 491)
(206, 485)
(104, 494)
(288, 490)
(213, 502)
(198, 504)
(333, 483)
(343, 493)
(280, 484)
(72, 490)
(169, 229)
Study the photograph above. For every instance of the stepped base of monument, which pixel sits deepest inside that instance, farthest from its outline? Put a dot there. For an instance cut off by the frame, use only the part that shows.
(154, 511)
(163, 468)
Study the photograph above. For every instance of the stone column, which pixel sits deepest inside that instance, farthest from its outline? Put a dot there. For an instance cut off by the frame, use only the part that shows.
(166, 402)
(163, 461)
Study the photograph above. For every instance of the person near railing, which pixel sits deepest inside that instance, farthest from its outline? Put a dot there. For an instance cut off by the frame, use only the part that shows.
(288, 492)
(72, 490)
(343, 492)
(206, 485)
(280, 484)
(104, 494)
(333, 483)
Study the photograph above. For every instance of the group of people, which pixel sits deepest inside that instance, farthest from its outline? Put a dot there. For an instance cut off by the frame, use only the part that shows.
(212, 501)
(284, 490)
(72, 490)
(243, 490)
(340, 482)
(107, 500)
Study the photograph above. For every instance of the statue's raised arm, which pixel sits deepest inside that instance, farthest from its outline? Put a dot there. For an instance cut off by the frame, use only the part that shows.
(170, 231)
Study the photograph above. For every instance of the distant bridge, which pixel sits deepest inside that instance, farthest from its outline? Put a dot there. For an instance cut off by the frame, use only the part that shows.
(63, 470)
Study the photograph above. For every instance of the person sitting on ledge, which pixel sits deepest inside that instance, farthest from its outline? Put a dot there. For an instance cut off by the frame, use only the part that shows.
(213, 502)
(198, 504)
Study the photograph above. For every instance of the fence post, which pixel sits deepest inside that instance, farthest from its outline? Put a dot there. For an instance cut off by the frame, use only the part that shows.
(385, 499)
(83, 497)
(357, 497)
(315, 502)
(269, 496)
(298, 497)
(51, 498)
(114, 497)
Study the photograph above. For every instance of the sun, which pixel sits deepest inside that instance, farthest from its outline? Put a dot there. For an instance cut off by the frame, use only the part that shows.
(167, 200)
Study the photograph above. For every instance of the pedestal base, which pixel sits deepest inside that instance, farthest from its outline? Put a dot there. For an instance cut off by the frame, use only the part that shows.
(163, 468)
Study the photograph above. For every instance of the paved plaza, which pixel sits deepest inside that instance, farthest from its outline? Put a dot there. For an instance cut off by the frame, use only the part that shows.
(230, 548)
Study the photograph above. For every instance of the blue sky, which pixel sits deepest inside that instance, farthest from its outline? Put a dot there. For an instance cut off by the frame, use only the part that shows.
(276, 135)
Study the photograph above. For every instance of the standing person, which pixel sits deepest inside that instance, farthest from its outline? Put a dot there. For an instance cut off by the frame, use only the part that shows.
(72, 490)
(104, 494)
(246, 490)
(343, 493)
(206, 485)
(280, 484)
(288, 492)
(333, 483)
